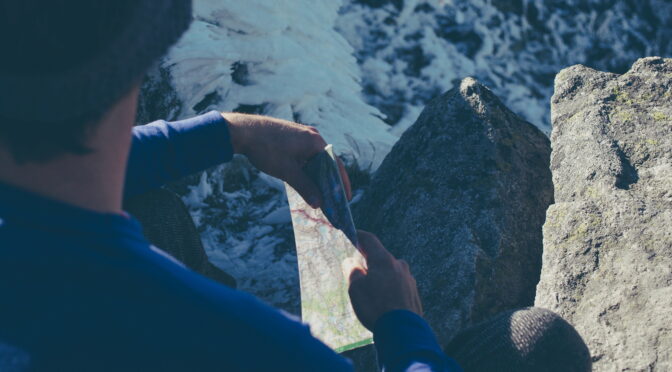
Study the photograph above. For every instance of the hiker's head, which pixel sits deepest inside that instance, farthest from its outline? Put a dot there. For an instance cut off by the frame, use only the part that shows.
(66, 62)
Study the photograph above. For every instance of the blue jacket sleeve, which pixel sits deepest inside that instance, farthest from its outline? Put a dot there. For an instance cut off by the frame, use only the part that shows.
(405, 342)
(165, 151)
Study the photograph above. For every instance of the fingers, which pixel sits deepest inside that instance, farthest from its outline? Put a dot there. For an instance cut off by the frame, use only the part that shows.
(356, 274)
(351, 263)
(308, 190)
(372, 249)
(315, 143)
(318, 144)
(308, 143)
(345, 178)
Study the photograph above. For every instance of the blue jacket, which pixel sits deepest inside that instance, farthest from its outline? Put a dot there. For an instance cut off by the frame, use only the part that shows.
(81, 290)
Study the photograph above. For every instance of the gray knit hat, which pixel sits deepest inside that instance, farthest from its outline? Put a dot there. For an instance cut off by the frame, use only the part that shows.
(91, 85)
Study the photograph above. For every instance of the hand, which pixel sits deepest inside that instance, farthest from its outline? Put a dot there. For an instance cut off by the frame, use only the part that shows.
(386, 284)
(281, 148)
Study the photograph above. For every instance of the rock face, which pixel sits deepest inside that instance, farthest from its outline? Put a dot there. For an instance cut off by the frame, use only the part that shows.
(462, 198)
(607, 263)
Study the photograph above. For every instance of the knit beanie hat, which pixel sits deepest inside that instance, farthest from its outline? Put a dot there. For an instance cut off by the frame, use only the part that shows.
(66, 59)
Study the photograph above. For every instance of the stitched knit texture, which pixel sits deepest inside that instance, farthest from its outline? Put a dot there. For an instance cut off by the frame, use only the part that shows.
(530, 339)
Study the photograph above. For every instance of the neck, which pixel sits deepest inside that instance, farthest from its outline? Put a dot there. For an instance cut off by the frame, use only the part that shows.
(93, 181)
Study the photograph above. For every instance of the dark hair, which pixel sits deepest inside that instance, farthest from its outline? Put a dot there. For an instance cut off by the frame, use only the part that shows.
(45, 37)
(66, 62)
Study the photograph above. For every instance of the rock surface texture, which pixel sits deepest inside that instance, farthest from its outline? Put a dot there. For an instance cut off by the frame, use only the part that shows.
(607, 263)
(462, 198)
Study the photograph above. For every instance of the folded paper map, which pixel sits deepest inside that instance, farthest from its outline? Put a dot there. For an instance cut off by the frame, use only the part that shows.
(326, 242)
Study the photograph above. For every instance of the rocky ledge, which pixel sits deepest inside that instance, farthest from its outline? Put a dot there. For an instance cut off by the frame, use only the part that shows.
(607, 262)
(462, 198)
(463, 195)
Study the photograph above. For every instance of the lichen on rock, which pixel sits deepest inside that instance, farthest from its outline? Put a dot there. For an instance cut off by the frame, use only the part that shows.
(607, 263)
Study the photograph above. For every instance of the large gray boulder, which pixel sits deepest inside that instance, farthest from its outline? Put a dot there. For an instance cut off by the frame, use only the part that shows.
(462, 198)
(607, 263)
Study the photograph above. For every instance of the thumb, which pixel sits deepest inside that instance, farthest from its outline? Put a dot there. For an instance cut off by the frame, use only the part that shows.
(356, 274)
(350, 265)
(372, 248)
(308, 190)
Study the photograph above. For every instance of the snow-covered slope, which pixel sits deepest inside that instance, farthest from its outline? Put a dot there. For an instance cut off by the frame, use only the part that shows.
(412, 50)
(351, 66)
(281, 58)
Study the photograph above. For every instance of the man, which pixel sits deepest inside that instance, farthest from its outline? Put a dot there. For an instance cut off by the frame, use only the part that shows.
(81, 289)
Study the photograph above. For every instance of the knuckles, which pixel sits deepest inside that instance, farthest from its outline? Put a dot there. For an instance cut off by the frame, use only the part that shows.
(317, 140)
(312, 141)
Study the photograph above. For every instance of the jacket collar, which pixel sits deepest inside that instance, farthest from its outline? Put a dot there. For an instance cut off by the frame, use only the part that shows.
(36, 211)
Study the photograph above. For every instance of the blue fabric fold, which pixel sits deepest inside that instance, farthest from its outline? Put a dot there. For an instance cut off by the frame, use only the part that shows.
(404, 342)
(83, 290)
(165, 151)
